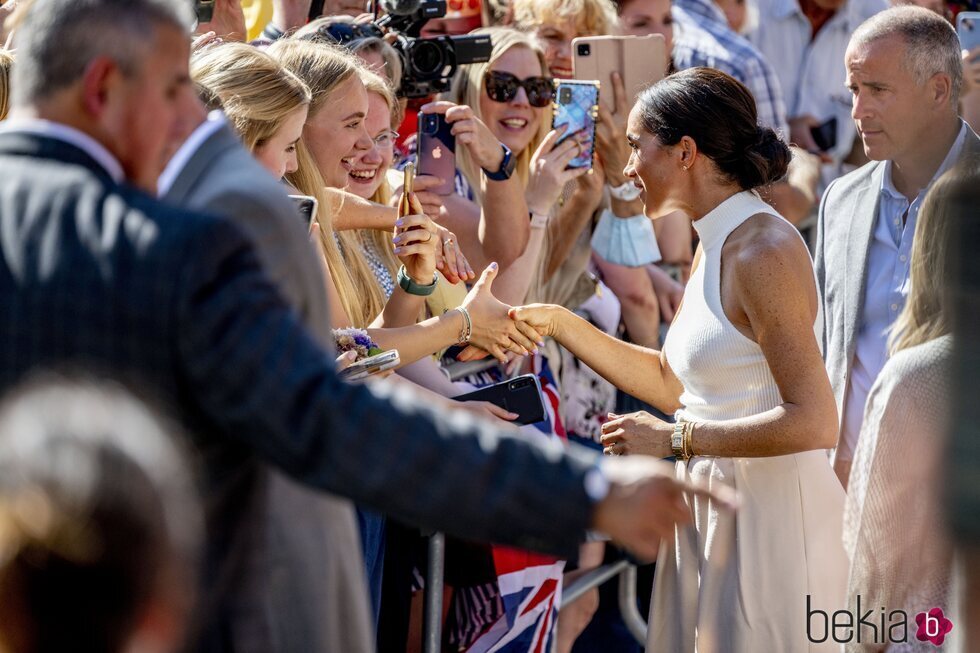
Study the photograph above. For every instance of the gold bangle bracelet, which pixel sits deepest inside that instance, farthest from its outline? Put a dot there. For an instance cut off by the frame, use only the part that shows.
(689, 439)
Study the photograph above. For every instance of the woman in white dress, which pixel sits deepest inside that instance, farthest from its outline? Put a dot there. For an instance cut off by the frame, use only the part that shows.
(742, 372)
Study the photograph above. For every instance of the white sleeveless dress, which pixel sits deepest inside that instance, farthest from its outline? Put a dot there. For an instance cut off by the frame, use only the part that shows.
(738, 582)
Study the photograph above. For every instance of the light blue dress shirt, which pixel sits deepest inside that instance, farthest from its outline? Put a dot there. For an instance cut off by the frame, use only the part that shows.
(886, 289)
(811, 72)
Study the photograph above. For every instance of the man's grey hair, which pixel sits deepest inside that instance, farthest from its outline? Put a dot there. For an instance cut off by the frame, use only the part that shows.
(57, 39)
(930, 41)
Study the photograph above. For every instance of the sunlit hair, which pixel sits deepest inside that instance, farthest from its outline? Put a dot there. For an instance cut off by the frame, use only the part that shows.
(381, 240)
(591, 17)
(468, 89)
(928, 310)
(324, 68)
(931, 44)
(6, 61)
(256, 92)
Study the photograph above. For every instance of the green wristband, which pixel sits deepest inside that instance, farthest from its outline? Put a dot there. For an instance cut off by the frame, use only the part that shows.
(408, 284)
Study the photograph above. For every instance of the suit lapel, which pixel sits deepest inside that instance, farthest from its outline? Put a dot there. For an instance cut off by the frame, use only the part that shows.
(204, 157)
(859, 235)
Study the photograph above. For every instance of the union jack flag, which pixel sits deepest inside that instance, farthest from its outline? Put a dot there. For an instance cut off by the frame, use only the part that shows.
(518, 612)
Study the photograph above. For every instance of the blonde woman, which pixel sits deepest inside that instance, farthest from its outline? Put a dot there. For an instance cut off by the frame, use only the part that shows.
(511, 93)
(893, 533)
(335, 136)
(6, 61)
(266, 104)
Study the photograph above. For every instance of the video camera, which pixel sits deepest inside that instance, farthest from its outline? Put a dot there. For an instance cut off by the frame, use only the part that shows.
(428, 65)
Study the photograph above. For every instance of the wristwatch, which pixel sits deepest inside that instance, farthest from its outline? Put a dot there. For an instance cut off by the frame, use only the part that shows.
(625, 192)
(408, 284)
(507, 166)
(677, 441)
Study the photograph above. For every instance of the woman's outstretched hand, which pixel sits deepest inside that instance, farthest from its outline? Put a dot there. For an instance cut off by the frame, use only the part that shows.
(494, 331)
(636, 433)
(543, 318)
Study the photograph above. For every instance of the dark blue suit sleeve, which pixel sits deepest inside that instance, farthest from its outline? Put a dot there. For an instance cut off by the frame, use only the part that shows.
(261, 379)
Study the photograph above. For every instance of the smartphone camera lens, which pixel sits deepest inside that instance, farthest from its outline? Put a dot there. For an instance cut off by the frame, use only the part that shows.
(565, 95)
(584, 49)
(431, 123)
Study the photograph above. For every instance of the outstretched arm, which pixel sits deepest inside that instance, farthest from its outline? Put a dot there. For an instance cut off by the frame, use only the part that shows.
(253, 372)
(636, 370)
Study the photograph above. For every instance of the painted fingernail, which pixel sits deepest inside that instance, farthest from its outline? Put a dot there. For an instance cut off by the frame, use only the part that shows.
(399, 222)
(398, 250)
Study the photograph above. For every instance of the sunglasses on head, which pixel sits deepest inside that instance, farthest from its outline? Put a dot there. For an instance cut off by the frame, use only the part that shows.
(502, 87)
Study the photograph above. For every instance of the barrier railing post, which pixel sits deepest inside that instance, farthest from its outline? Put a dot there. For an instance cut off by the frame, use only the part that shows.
(627, 605)
(434, 581)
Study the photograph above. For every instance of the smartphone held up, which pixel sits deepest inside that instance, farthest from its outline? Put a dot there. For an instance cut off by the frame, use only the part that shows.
(437, 151)
(576, 108)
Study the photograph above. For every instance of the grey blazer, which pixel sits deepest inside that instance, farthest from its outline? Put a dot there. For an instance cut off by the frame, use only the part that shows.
(305, 589)
(845, 225)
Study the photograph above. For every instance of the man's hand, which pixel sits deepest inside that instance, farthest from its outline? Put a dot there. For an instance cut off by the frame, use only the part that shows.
(227, 22)
(646, 500)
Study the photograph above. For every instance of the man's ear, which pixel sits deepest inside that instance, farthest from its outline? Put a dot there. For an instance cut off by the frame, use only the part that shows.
(940, 88)
(100, 81)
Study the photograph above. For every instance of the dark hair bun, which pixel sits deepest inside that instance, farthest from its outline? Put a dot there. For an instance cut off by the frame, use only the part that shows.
(765, 161)
(718, 112)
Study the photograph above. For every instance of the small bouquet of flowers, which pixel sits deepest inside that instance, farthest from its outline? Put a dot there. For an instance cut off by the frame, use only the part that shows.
(356, 340)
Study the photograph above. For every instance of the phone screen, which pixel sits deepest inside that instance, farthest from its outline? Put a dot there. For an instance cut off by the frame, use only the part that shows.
(307, 207)
(576, 105)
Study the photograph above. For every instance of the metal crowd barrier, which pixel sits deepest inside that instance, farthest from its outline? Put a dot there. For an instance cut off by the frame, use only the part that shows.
(435, 577)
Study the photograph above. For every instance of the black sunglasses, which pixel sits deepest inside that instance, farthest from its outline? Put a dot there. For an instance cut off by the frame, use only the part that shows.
(502, 87)
(342, 33)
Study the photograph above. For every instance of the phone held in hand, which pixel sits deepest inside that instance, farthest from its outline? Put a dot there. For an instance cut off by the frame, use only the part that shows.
(437, 151)
(640, 61)
(307, 207)
(204, 9)
(520, 395)
(825, 135)
(577, 106)
(968, 29)
(371, 365)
